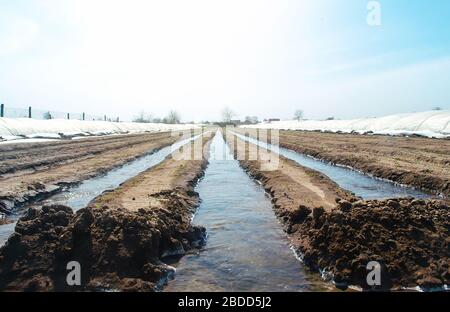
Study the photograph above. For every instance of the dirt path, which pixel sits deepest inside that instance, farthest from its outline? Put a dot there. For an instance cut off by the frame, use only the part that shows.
(419, 162)
(339, 234)
(119, 240)
(31, 171)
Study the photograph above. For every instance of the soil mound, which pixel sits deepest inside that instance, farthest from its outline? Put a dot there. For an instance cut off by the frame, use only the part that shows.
(409, 238)
(116, 248)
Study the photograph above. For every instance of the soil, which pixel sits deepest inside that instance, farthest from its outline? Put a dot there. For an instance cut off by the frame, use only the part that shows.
(420, 162)
(33, 171)
(339, 234)
(4, 220)
(120, 239)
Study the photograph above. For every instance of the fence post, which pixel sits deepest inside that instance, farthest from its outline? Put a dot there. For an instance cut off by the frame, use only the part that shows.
(105, 117)
(68, 116)
(83, 116)
(29, 112)
(2, 110)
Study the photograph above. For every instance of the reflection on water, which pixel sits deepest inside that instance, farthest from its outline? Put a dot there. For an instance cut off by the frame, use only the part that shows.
(362, 185)
(79, 196)
(246, 249)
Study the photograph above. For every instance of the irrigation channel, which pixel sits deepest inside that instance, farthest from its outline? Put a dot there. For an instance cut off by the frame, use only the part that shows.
(246, 248)
(79, 196)
(361, 184)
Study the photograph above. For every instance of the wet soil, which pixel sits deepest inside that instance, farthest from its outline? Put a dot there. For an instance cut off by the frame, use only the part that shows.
(34, 171)
(4, 220)
(246, 249)
(338, 234)
(120, 239)
(420, 162)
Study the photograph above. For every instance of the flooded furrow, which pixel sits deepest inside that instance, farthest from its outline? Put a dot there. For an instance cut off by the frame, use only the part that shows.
(357, 182)
(246, 249)
(79, 196)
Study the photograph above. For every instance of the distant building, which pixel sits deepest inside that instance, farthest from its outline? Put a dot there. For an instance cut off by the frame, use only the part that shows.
(235, 122)
(273, 119)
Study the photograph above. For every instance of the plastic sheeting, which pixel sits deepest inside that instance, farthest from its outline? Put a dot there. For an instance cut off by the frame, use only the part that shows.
(430, 124)
(16, 128)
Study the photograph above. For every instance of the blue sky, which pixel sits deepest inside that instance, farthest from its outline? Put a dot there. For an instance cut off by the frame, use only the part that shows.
(259, 57)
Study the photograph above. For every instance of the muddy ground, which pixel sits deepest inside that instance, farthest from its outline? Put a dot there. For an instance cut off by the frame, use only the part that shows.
(120, 239)
(420, 162)
(338, 234)
(32, 171)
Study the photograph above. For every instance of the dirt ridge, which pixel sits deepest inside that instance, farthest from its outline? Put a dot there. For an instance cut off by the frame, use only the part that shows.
(408, 237)
(432, 184)
(25, 187)
(422, 163)
(120, 239)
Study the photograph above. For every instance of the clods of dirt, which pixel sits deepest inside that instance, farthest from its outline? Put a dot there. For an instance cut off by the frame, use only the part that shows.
(116, 249)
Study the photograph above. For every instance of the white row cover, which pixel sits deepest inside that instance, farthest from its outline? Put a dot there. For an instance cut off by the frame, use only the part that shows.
(16, 128)
(430, 124)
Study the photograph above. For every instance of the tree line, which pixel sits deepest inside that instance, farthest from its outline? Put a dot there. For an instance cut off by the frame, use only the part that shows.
(173, 117)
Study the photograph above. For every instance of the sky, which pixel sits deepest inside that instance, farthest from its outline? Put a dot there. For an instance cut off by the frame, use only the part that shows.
(267, 58)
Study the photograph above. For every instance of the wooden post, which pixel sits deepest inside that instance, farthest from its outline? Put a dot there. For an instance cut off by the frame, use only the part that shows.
(29, 112)
(105, 117)
(2, 110)
(68, 116)
(83, 116)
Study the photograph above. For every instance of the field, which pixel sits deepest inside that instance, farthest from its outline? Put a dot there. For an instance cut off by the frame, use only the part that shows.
(420, 162)
(133, 236)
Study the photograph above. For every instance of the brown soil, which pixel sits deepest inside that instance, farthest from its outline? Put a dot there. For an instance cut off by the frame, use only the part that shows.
(4, 220)
(419, 162)
(33, 171)
(339, 234)
(120, 239)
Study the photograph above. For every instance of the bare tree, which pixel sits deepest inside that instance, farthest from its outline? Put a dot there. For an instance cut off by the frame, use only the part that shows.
(227, 114)
(143, 117)
(298, 114)
(173, 117)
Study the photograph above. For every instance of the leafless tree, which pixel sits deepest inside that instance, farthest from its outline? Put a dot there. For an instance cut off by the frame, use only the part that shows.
(173, 117)
(143, 117)
(227, 114)
(298, 114)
